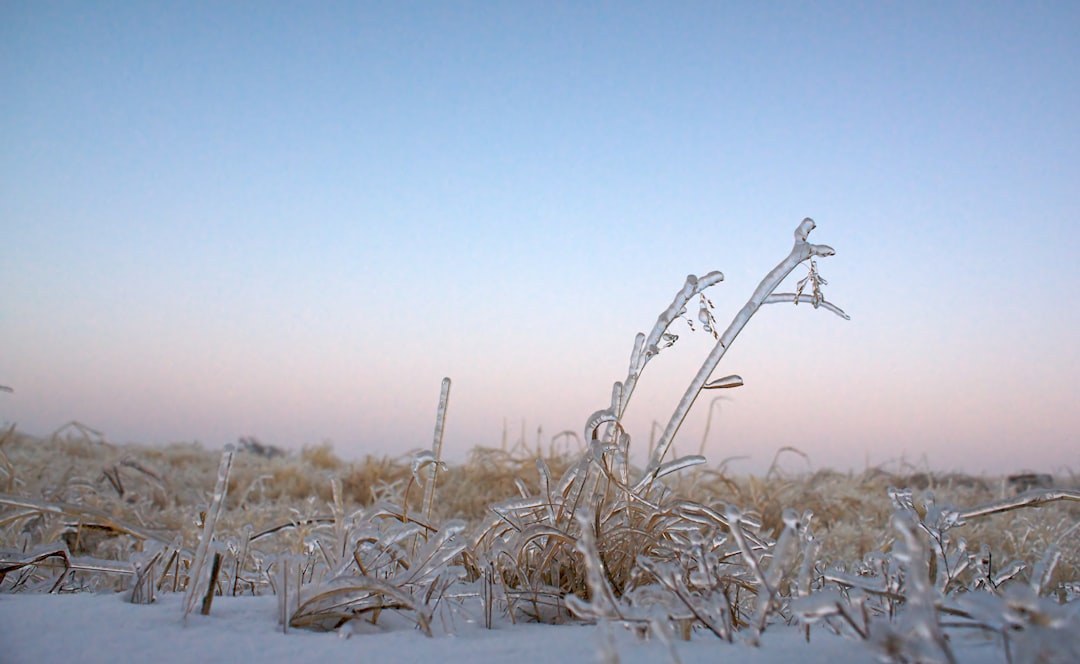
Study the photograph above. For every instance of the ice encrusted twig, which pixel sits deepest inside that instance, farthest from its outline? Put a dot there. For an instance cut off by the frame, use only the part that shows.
(645, 348)
(436, 447)
(763, 294)
(1028, 499)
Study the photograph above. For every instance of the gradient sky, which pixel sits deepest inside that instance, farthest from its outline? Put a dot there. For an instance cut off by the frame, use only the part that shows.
(291, 220)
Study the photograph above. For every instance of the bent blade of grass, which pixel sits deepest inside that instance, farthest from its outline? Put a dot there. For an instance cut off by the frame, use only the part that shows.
(82, 513)
(1034, 498)
(329, 608)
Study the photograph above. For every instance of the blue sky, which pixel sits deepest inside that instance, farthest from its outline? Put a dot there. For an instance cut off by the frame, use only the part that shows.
(291, 220)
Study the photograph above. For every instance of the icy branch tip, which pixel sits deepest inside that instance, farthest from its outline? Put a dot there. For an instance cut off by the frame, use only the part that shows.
(804, 229)
(714, 277)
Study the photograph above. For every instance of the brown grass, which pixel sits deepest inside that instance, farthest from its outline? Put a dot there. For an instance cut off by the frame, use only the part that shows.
(105, 501)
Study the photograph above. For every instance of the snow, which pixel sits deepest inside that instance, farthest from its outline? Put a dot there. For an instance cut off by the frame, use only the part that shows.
(89, 628)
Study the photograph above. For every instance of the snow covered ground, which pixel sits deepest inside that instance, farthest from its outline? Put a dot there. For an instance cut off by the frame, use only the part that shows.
(88, 628)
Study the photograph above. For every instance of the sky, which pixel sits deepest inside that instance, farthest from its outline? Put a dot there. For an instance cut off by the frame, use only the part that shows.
(292, 220)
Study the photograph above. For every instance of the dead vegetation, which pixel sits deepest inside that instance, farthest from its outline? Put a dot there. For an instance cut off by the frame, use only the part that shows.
(78, 512)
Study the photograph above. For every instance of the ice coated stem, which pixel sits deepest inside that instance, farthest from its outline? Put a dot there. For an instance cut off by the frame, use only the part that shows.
(436, 446)
(199, 574)
(801, 251)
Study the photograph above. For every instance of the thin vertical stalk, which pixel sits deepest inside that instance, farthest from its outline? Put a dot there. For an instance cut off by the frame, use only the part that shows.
(200, 573)
(436, 448)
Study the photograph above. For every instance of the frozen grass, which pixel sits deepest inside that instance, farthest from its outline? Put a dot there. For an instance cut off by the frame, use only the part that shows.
(898, 560)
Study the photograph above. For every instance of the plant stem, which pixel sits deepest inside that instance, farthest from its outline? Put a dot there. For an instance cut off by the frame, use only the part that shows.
(801, 251)
(436, 447)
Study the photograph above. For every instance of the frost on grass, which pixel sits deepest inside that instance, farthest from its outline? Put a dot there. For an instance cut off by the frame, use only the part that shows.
(902, 561)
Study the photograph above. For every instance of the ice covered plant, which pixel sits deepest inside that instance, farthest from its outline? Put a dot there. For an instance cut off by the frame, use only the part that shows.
(646, 347)
(642, 535)
(202, 577)
(381, 558)
(900, 601)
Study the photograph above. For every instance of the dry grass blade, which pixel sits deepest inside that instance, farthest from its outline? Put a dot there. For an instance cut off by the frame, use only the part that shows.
(5, 463)
(13, 562)
(42, 560)
(330, 608)
(1028, 499)
(82, 513)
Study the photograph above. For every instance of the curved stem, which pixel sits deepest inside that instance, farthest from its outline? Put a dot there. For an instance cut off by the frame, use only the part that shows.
(801, 251)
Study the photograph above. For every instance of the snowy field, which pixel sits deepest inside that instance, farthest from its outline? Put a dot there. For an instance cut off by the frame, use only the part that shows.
(115, 555)
(90, 628)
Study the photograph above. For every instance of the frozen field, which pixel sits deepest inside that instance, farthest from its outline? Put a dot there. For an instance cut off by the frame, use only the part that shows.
(113, 513)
